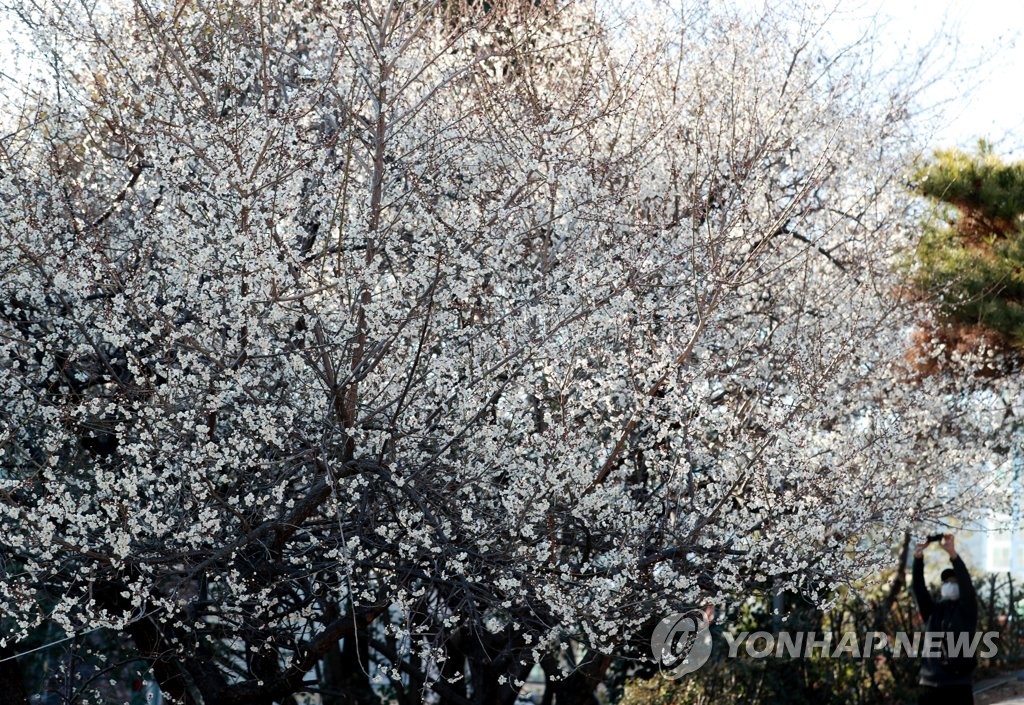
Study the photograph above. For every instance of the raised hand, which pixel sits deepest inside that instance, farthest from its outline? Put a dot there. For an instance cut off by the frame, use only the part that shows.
(948, 545)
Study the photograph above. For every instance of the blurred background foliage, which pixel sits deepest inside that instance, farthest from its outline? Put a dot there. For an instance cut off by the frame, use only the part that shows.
(880, 679)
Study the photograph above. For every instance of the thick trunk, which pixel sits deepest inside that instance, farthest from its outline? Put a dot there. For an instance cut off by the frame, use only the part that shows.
(353, 680)
(332, 667)
(578, 688)
(487, 672)
(12, 687)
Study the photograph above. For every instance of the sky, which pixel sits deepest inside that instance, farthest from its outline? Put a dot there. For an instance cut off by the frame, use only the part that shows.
(982, 96)
(982, 43)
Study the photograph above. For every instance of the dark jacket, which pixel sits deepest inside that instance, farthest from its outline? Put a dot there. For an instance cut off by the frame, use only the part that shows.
(951, 616)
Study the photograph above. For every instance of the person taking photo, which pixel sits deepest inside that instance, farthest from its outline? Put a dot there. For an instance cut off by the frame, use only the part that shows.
(946, 675)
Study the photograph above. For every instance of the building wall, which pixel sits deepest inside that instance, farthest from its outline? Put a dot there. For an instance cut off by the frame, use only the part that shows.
(996, 547)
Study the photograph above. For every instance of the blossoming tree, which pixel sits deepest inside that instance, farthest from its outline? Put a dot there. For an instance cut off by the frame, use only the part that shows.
(401, 346)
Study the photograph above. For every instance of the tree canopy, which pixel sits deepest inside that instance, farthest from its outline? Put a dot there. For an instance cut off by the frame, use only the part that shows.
(369, 348)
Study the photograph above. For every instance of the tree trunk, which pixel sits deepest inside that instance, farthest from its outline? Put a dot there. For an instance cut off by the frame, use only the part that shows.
(12, 687)
(352, 680)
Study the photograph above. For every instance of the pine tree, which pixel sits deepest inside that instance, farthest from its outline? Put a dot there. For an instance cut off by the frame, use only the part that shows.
(971, 253)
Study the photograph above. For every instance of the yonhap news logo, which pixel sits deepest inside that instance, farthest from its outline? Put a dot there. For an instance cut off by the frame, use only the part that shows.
(681, 643)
